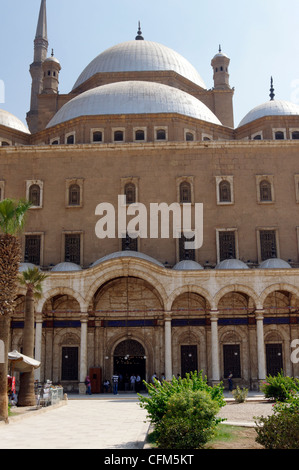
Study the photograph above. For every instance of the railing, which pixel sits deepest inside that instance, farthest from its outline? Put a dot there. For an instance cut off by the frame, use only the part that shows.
(48, 394)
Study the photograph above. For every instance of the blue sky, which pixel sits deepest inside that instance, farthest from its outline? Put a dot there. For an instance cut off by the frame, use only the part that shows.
(261, 38)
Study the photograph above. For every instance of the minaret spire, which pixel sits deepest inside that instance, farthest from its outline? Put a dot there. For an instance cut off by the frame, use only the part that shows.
(139, 33)
(41, 30)
(36, 68)
(272, 94)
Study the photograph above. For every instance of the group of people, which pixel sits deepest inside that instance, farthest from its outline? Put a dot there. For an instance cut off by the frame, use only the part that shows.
(135, 382)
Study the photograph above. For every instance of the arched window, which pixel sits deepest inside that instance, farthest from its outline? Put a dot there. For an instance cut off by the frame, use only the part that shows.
(257, 137)
(279, 135)
(189, 137)
(295, 135)
(185, 192)
(224, 191)
(70, 139)
(34, 195)
(118, 136)
(97, 136)
(74, 195)
(55, 142)
(140, 135)
(5, 144)
(161, 134)
(130, 193)
(265, 191)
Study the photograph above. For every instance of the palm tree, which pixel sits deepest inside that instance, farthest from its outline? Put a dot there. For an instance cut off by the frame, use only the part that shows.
(12, 220)
(32, 279)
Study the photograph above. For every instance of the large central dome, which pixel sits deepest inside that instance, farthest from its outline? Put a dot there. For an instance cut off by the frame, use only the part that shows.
(140, 56)
(133, 97)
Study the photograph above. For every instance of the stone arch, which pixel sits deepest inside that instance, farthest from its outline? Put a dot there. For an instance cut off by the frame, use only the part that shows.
(283, 287)
(123, 272)
(236, 288)
(192, 289)
(61, 291)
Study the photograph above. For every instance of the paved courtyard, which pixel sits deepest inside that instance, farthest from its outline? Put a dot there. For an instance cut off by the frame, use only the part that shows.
(81, 424)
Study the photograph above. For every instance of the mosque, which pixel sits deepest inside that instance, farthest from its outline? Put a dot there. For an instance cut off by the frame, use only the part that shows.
(140, 122)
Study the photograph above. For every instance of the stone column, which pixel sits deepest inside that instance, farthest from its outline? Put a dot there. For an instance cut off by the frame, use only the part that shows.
(38, 343)
(215, 347)
(261, 360)
(83, 353)
(168, 346)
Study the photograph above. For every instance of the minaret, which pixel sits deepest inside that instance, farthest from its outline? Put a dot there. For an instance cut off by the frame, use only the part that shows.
(220, 63)
(36, 68)
(51, 69)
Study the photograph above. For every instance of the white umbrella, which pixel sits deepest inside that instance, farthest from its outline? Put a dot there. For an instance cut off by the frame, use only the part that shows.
(22, 363)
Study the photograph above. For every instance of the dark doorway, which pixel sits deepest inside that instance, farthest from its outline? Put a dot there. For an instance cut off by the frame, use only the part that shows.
(129, 359)
(69, 363)
(274, 360)
(231, 359)
(188, 359)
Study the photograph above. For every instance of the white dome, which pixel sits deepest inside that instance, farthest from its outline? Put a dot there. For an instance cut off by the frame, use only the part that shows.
(275, 263)
(127, 253)
(231, 264)
(133, 97)
(140, 56)
(187, 265)
(25, 266)
(66, 267)
(9, 120)
(271, 108)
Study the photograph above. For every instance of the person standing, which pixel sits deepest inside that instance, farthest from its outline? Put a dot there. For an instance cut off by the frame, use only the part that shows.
(115, 383)
(138, 383)
(133, 382)
(88, 385)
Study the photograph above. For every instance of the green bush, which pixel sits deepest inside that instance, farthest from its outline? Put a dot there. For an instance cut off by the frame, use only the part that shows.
(280, 430)
(159, 394)
(189, 422)
(279, 387)
(240, 394)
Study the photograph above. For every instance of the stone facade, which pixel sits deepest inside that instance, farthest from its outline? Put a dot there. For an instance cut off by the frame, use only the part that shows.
(112, 310)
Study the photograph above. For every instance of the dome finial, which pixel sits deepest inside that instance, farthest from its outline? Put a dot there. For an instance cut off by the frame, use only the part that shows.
(219, 49)
(52, 53)
(272, 94)
(139, 33)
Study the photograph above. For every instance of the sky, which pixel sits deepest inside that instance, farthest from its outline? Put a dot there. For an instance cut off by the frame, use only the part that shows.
(261, 37)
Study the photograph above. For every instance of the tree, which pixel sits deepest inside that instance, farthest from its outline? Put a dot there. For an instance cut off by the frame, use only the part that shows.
(32, 279)
(12, 220)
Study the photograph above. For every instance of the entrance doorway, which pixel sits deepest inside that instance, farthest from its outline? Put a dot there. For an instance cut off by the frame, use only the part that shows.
(129, 359)
(188, 359)
(274, 360)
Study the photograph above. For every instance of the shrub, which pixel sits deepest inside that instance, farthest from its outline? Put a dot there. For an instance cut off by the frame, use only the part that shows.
(240, 394)
(279, 387)
(189, 422)
(280, 430)
(160, 393)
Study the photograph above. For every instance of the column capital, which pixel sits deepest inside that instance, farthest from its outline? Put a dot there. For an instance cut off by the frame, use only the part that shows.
(214, 314)
(84, 317)
(259, 314)
(167, 316)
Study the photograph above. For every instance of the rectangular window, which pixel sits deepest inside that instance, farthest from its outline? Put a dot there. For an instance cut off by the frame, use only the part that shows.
(32, 249)
(185, 254)
(73, 248)
(268, 244)
(227, 245)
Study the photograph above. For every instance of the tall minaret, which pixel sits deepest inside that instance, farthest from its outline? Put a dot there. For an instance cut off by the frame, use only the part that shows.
(36, 68)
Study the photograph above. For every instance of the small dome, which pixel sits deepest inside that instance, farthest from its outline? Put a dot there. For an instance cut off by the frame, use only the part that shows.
(127, 253)
(25, 266)
(9, 120)
(140, 56)
(66, 267)
(52, 59)
(271, 108)
(133, 97)
(187, 265)
(275, 263)
(231, 264)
